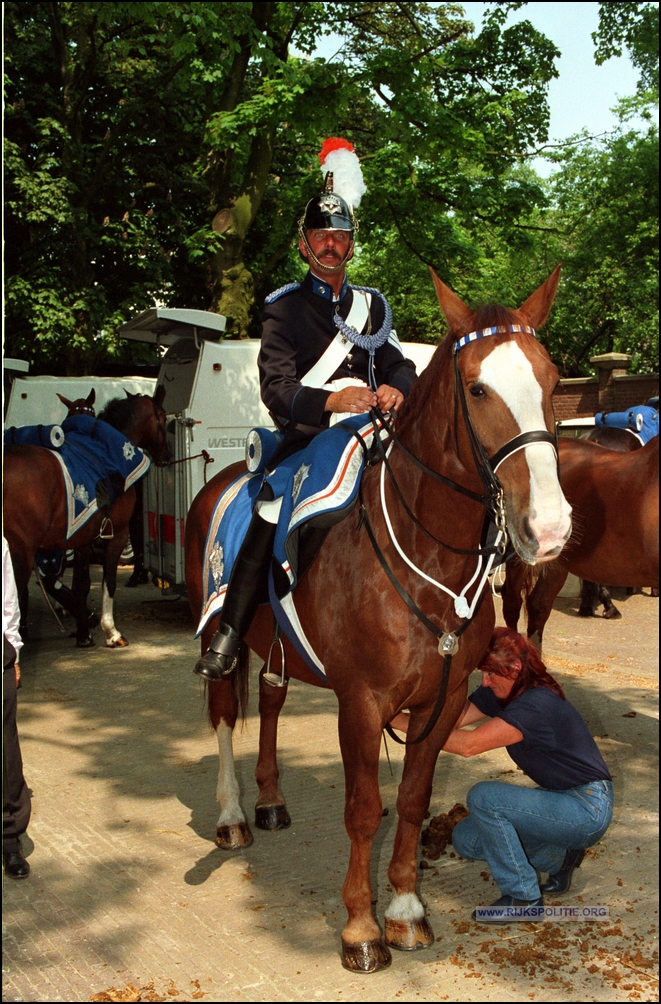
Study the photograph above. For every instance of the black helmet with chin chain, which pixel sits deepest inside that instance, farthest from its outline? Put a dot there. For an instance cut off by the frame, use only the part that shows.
(342, 192)
(328, 211)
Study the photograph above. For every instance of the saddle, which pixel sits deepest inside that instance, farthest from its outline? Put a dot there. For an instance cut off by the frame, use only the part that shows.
(642, 420)
(98, 463)
(318, 487)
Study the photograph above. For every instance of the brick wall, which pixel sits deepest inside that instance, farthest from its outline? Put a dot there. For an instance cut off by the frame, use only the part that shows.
(576, 398)
(635, 389)
(579, 398)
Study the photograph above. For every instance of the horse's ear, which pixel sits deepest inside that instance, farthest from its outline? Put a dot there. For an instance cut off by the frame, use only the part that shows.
(457, 314)
(64, 400)
(159, 395)
(129, 394)
(537, 307)
(91, 398)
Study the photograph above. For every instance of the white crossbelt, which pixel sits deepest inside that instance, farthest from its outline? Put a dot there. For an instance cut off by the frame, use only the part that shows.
(340, 347)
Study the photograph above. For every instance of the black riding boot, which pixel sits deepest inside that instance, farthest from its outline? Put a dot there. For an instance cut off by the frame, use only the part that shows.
(246, 589)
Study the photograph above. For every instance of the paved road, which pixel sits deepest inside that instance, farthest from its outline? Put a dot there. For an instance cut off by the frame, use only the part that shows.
(129, 898)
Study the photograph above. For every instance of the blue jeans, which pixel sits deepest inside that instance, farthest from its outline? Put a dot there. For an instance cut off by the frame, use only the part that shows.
(519, 831)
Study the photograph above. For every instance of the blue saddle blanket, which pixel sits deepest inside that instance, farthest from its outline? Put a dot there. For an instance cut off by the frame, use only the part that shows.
(320, 482)
(642, 420)
(49, 436)
(98, 464)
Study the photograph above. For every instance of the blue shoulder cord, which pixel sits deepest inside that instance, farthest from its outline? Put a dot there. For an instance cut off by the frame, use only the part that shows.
(369, 342)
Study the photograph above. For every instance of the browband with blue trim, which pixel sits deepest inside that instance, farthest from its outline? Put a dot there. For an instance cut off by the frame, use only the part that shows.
(495, 330)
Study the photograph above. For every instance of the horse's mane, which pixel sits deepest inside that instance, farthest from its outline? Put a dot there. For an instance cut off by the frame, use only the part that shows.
(484, 316)
(118, 412)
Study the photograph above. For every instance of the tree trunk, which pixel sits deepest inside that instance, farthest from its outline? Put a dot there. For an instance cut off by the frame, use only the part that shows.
(235, 213)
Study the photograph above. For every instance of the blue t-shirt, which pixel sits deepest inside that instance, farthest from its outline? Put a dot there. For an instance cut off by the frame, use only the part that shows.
(557, 750)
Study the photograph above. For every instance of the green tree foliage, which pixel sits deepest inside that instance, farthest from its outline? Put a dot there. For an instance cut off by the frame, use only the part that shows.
(606, 206)
(636, 27)
(165, 150)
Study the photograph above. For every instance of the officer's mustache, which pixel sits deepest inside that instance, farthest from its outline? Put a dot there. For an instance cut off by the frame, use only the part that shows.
(330, 251)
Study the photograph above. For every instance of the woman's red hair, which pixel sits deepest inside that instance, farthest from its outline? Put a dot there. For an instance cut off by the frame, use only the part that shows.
(505, 648)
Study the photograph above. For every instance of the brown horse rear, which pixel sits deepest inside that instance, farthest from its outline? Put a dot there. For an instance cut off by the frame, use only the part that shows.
(615, 502)
(35, 513)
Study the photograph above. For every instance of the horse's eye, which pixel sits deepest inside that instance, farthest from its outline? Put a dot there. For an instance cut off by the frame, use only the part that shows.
(477, 390)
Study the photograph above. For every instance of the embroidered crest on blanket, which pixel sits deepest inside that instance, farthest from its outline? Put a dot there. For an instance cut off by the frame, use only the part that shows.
(320, 482)
(98, 464)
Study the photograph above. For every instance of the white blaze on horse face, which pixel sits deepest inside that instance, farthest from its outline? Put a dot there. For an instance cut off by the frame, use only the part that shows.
(509, 372)
(227, 789)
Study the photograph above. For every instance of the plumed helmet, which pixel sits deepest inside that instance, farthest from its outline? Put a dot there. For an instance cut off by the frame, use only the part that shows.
(328, 211)
(343, 189)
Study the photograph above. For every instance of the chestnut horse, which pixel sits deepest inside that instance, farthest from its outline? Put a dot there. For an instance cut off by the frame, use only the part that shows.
(592, 593)
(615, 502)
(35, 511)
(475, 399)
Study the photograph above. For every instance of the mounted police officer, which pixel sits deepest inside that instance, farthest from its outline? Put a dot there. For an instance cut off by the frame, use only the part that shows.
(328, 351)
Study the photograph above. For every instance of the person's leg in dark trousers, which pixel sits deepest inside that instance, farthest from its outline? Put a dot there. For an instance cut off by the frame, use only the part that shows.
(248, 583)
(16, 798)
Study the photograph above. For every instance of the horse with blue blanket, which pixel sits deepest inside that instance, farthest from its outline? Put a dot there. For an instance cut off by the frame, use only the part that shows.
(80, 489)
(393, 613)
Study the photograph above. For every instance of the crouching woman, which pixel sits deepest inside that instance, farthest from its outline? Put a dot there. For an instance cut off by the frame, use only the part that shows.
(521, 831)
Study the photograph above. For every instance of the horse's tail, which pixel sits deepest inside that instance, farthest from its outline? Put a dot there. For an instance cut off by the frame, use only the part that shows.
(241, 679)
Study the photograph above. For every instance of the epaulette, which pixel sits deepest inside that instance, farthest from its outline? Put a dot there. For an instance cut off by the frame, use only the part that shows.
(277, 293)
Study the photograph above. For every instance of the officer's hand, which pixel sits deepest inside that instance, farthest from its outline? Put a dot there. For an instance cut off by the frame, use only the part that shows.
(353, 399)
(388, 398)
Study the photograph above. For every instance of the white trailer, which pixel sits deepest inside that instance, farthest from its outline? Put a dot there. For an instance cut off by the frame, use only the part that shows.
(33, 400)
(212, 400)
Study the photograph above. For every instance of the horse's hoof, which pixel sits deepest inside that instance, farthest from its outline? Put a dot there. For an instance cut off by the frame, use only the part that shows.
(408, 935)
(120, 642)
(234, 836)
(85, 642)
(365, 956)
(585, 612)
(612, 614)
(272, 817)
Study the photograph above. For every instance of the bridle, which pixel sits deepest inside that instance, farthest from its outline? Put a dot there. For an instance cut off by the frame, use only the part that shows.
(487, 466)
(492, 500)
(82, 409)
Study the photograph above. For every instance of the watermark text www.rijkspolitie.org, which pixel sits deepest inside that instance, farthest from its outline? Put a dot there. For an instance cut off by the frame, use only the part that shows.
(541, 913)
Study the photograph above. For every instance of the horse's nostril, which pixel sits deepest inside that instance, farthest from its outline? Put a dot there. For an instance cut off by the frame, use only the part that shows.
(528, 531)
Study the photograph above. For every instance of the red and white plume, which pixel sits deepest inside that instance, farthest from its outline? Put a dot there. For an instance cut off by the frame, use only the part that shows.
(338, 156)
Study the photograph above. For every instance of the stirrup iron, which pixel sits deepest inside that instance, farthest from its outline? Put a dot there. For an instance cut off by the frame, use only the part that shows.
(276, 679)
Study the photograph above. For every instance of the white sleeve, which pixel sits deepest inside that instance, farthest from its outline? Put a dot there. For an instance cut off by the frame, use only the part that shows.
(11, 614)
